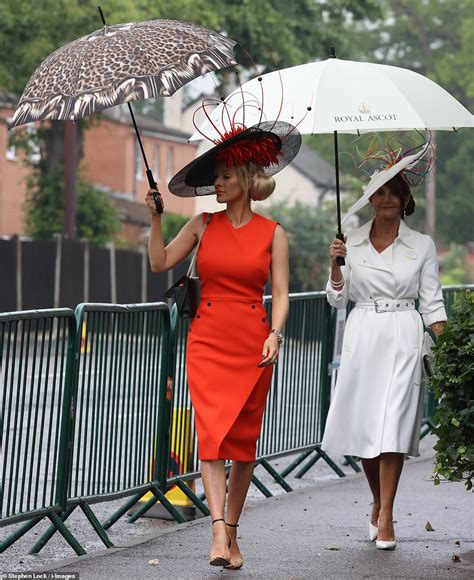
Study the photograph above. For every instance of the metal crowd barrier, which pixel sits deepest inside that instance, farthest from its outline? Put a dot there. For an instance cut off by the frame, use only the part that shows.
(296, 407)
(85, 419)
(95, 407)
(36, 373)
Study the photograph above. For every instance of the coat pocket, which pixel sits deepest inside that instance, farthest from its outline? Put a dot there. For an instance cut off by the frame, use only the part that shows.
(352, 330)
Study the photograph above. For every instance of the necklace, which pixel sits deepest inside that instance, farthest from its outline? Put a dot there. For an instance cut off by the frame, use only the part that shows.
(231, 220)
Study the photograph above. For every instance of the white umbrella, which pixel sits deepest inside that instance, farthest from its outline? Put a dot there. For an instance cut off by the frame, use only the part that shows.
(347, 97)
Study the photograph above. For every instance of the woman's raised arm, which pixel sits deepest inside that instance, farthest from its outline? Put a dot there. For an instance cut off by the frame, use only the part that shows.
(164, 258)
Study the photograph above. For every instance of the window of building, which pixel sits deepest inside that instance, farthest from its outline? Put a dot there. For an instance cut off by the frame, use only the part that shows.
(170, 163)
(34, 154)
(156, 162)
(10, 152)
(31, 148)
(139, 173)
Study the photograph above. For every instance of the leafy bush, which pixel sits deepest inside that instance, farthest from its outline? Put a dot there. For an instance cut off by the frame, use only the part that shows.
(310, 229)
(171, 225)
(453, 383)
(96, 218)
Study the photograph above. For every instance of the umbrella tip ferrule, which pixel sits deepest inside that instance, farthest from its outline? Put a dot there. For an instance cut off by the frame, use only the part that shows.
(332, 52)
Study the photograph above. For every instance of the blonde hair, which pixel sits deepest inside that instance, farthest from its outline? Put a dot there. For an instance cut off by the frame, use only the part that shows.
(254, 181)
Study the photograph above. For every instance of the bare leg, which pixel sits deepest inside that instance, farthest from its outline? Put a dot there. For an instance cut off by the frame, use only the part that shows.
(239, 481)
(391, 465)
(214, 481)
(372, 472)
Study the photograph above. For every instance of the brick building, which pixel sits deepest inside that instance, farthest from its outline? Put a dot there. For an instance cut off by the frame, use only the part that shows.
(13, 174)
(112, 162)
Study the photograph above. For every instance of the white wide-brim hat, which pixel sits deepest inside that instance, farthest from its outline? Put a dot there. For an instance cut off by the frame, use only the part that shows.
(380, 178)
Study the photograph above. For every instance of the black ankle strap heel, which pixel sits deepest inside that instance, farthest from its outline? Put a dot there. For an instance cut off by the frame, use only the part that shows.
(218, 520)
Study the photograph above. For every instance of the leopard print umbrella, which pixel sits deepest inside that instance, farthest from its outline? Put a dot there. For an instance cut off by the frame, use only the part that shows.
(119, 64)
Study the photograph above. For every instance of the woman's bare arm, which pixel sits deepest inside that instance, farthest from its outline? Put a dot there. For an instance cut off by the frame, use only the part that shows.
(164, 258)
(280, 298)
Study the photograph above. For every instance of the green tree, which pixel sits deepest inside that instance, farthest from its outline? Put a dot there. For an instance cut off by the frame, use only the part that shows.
(272, 30)
(97, 218)
(295, 31)
(28, 33)
(434, 38)
(171, 225)
(310, 229)
(453, 384)
(452, 271)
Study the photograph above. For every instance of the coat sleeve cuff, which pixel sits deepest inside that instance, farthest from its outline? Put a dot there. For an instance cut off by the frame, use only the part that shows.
(438, 315)
(337, 298)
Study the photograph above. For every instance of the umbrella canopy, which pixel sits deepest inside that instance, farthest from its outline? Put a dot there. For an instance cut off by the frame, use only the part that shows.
(349, 97)
(119, 64)
(343, 96)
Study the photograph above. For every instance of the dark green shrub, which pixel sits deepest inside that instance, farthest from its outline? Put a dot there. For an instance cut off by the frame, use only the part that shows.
(453, 383)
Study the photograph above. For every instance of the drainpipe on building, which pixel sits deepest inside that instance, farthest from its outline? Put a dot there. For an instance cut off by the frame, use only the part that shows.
(70, 144)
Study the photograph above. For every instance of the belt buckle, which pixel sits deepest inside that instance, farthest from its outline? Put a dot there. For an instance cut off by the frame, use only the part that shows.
(383, 308)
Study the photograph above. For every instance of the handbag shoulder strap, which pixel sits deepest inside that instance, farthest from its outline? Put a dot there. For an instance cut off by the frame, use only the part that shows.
(192, 265)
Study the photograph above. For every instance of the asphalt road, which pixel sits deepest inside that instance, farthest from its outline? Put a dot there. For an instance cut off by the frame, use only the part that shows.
(316, 532)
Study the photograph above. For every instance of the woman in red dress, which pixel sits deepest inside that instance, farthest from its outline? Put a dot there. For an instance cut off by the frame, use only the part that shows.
(231, 344)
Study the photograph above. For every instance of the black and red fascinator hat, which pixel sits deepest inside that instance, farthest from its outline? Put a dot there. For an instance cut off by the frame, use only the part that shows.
(270, 144)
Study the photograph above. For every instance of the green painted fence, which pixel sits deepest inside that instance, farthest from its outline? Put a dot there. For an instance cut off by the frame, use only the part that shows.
(95, 407)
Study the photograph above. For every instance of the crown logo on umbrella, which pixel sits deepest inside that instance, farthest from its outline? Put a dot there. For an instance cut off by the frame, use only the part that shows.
(363, 108)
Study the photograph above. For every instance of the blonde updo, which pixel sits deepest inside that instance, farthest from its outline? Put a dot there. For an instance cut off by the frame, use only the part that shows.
(254, 181)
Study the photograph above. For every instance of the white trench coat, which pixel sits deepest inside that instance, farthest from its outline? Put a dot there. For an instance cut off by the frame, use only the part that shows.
(377, 403)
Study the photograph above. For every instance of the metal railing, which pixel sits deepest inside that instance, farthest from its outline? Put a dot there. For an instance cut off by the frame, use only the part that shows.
(296, 406)
(119, 437)
(36, 369)
(95, 407)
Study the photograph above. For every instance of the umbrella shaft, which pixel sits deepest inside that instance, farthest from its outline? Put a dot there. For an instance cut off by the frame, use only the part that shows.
(338, 198)
(138, 136)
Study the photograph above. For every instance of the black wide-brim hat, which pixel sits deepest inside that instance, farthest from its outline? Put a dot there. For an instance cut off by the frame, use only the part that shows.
(197, 178)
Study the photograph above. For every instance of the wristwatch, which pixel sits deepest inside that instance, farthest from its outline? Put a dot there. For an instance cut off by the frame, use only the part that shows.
(280, 335)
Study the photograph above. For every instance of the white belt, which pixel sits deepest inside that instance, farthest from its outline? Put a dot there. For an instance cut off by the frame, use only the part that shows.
(388, 305)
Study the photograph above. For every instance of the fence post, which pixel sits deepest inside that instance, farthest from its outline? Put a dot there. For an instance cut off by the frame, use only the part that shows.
(324, 370)
(19, 274)
(165, 403)
(66, 437)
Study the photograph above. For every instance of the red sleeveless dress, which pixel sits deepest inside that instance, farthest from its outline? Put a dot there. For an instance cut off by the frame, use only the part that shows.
(228, 390)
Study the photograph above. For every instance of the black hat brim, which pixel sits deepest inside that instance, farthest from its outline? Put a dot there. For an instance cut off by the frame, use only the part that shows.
(197, 177)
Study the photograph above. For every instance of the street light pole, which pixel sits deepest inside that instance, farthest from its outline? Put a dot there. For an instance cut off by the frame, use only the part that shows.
(430, 194)
(70, 148)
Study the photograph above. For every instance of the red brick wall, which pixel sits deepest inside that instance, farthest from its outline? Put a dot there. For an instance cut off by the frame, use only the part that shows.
(13, 189)
(133, 233)
(109, 160)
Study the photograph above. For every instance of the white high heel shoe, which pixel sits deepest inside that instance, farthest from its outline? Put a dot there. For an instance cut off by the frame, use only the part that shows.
(386, 544)
(373, 532)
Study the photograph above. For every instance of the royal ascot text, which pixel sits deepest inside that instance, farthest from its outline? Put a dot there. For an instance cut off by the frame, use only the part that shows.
(363, 119)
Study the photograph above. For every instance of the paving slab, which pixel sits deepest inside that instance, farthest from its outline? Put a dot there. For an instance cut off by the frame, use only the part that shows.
(318, 532)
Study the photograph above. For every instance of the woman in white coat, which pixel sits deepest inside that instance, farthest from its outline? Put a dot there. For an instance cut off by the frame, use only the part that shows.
(376, 410)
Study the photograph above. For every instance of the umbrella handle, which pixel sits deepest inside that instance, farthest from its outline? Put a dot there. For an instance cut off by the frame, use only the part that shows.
(340, 260)
(156, 196)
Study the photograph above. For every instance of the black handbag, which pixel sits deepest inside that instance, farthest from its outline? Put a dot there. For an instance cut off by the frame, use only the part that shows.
(187, 290)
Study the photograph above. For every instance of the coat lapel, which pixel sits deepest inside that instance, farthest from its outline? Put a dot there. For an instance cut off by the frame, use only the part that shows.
(366, 255)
